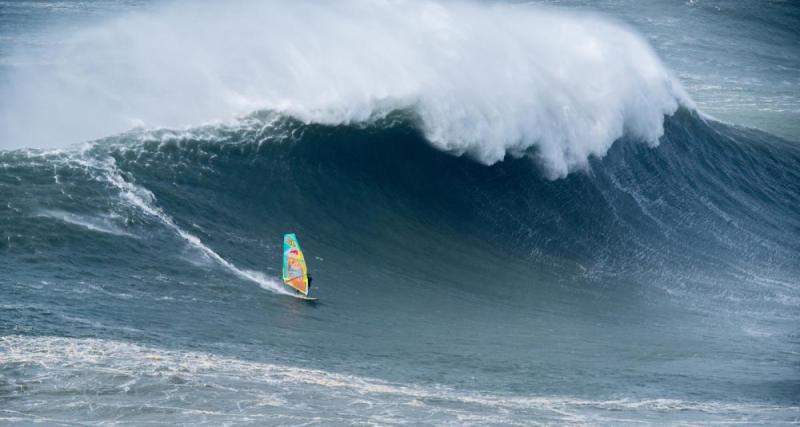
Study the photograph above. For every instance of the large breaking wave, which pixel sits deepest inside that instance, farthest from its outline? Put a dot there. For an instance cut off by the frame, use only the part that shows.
(656, 280)
(711, 196)
(484, 79)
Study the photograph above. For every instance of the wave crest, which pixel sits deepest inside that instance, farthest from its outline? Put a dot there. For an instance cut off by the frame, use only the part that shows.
(484, 80)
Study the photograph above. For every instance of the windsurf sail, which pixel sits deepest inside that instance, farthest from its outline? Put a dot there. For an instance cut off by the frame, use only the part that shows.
(295, 272)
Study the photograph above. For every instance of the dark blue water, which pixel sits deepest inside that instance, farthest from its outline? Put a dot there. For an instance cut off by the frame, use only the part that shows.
(656, 283)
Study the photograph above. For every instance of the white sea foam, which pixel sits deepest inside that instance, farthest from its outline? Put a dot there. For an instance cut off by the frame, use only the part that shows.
(485, 79)
(65, 373)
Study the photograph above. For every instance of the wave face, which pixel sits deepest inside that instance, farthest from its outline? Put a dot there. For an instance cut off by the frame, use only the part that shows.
(563, 86)
(659, 284)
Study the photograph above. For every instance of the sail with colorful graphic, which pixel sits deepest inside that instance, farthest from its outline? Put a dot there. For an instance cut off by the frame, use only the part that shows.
(295, 272)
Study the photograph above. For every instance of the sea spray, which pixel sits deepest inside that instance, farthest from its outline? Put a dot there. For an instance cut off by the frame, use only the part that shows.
(486, 80)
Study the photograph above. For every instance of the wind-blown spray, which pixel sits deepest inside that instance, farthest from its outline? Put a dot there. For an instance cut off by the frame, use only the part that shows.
(483, 80)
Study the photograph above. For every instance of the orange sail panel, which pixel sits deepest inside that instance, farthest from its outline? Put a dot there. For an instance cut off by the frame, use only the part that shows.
(295, 272)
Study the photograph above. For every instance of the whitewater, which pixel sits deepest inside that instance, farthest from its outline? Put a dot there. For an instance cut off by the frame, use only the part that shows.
(515, 213)
(563, 86)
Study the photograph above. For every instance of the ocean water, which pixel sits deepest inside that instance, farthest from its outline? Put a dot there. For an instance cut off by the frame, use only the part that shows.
(561, 213)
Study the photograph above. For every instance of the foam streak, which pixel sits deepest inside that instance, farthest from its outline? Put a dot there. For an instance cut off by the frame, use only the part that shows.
(144, 200)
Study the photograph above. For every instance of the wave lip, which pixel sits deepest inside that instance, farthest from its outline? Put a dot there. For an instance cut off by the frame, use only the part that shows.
(484, 80)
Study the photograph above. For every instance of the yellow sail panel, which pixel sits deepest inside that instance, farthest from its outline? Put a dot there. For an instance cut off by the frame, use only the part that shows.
(295, 272)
